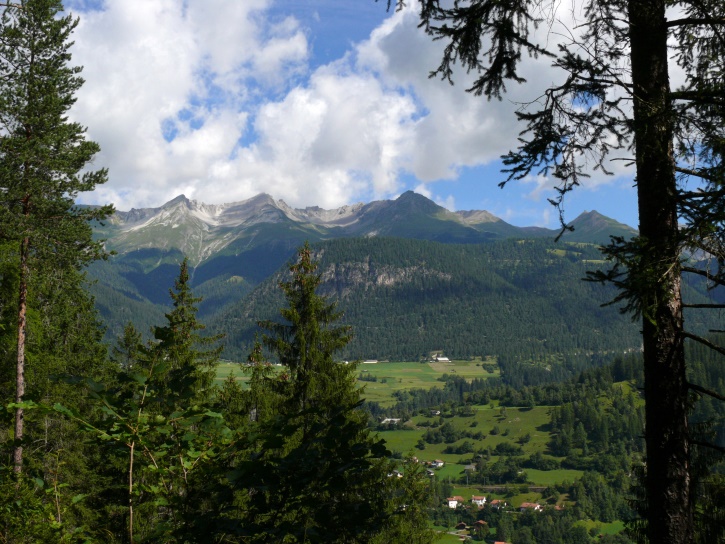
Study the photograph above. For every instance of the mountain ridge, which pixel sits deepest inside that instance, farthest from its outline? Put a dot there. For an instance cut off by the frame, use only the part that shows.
(232, 248)
(201, 230)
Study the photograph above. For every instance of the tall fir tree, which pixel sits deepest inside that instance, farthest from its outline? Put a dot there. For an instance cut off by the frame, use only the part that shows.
(315, 473)
(156, 427)
(191, 357)
(42, 160)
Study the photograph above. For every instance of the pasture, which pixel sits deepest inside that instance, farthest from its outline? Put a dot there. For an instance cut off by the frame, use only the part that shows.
(526, 428)
(389, 377)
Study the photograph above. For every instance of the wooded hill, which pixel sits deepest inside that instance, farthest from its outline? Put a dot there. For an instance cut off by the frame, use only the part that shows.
(515, 299)
(410, 276)
(233, 248)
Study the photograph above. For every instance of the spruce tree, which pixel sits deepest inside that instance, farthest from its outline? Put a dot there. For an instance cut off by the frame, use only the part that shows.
(314, 472)
(43, 156)
(191, 358)
(156, 427)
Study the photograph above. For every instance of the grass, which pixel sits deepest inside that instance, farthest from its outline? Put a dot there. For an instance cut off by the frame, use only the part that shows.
(551, 477)
(446, 538)
(527, 427)
(393, 377)
(390, 377)
(513, 424)
(603, 528)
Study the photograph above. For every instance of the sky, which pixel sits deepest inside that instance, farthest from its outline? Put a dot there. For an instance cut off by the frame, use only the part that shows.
(315, 102)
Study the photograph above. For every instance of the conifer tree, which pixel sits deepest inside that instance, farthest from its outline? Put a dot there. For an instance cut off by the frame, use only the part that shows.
(42, 160)
(156, 425)
(315, 473)
(191, 359)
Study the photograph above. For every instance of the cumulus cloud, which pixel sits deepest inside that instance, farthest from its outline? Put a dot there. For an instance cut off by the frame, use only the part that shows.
(218, 100)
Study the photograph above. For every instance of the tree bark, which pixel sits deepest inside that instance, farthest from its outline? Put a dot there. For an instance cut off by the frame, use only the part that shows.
(20, 364)
(669, 512)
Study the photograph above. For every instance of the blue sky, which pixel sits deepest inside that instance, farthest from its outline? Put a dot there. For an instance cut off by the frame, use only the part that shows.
(316, 102)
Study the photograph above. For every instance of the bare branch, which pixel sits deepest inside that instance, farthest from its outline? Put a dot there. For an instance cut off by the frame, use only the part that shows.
(698, 173)
(704, 273)
(690, 21)
(707, 392)
(702, 341)
(708, 445)
(711, 306)
(716, 98)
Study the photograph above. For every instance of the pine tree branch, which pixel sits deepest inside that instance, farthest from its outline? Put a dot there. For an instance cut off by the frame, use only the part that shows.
(708, 445)
(705, 274)
(707, 392)
(691, 21)
(716, 98)
(691, 172)
(702, 341)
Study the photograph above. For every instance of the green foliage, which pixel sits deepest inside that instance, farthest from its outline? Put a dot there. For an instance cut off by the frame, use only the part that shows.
(406, 297)
(43, 158)
(181, 346)
(155, 423)
(314, 472)
(63, 336)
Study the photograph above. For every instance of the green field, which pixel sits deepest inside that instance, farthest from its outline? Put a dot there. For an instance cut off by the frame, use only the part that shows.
(396, 376)
(511, 425)
(391, 376)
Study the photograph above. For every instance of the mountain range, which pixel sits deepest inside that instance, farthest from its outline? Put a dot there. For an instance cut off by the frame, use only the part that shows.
(233, 249)
(202, 231)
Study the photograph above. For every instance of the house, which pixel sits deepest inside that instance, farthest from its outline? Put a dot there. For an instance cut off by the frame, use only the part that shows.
(530, 506)
(497, 503)
(478, 500)
(461, 526)
(454, 501)
(440, 359)
(390, 421)
(437, 463)
(435, 412)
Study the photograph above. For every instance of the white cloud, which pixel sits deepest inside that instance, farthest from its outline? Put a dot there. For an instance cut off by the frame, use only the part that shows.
(213, 98)
(165, 91)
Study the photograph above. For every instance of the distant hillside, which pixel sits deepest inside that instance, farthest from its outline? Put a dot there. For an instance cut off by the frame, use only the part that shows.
(235, 247)
(595, 228)
(522, 299)
(204, 231)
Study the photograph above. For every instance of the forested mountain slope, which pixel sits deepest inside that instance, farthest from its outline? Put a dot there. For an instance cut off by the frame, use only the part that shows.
(404, 298)
(234, 247)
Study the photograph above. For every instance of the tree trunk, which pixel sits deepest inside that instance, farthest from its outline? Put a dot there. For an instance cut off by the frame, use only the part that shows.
(669, 512)
(20, 366)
